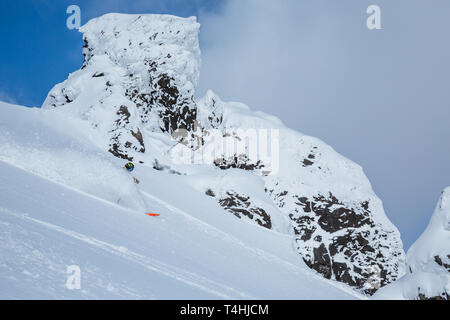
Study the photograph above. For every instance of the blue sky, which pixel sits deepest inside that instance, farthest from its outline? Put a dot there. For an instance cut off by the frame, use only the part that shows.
(39, 51)
(381, 97)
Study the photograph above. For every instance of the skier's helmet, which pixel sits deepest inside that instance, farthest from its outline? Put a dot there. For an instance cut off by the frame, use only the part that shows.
(129, 166)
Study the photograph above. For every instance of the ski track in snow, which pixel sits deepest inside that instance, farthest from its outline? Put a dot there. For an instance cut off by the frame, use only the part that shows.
(261, 253)
(176, 273)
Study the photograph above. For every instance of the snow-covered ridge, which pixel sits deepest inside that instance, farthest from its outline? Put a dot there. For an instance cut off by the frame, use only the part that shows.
(134, 98)
(436, 238)
(428, 260)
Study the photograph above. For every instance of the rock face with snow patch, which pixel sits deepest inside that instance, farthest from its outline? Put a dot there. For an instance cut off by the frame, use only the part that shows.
(139, 71)
(136, 91)
(343, 241)
(428, 261)
(241, 206)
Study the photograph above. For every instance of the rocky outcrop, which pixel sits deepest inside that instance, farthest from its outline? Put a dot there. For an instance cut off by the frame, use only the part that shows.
(240, 161)
(124, 129)
(241, 207)
(343, 242)
(443, 261)
(343, 237)
(139, 73)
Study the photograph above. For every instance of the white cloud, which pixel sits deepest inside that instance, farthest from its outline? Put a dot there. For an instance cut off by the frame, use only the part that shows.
(379, 97)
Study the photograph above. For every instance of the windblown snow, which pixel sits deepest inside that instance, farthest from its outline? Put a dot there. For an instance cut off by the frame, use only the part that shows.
(249, 208)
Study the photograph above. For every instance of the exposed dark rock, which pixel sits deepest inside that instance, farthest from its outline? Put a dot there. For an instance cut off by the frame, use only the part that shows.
(176, 112)
(215, 116)
(238, 162)
(339, 241)
(241, 206)
(309, 160)
(143, 102)
(307, 163)
(120, 146)
(68, 100)
(138, 136)
(124, 115)
(210, 193)
(87, 53)
(117, 152)
(304, 227)
(333, 215)
(321, 261)
(439, 261)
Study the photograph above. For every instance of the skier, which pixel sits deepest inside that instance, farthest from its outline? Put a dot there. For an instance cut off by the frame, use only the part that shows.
(130, 167)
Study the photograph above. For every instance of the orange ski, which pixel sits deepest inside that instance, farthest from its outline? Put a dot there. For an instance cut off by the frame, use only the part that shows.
(153, 214)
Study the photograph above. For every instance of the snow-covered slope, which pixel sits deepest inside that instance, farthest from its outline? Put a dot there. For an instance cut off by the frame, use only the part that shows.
(428, 260)
(50, 219)
(242, 171)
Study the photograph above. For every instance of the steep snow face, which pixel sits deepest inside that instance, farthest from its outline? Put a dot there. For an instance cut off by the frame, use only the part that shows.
(135, 97)
(322, 199)
(188, 253)
(139, 72)
(53, 145)
(428, 260)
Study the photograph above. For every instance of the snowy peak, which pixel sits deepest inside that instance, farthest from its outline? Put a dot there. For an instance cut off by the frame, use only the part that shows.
(132, 39)
(435, 241)
(443, 208)
(428, 260)
(135, 93)
(143, 43)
